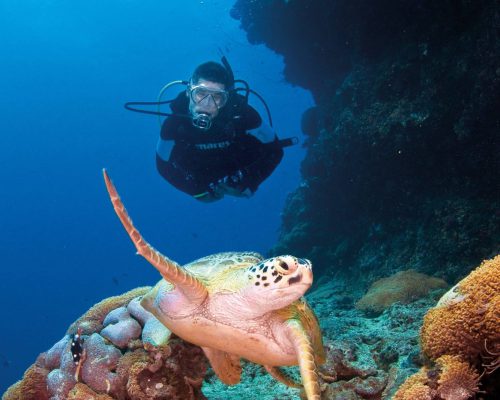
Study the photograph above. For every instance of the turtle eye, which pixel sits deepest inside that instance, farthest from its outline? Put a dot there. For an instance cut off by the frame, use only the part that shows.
(284, 265)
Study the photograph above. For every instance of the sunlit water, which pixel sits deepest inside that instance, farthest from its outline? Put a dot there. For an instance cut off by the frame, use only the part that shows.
(66, 69)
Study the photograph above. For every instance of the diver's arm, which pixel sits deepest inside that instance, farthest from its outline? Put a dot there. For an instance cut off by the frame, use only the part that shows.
(267, 156)
(267, 159)
(183, 180)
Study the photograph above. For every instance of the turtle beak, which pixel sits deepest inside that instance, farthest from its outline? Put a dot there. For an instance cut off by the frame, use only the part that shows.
(303, 276)
(307, 276)
(305, 268)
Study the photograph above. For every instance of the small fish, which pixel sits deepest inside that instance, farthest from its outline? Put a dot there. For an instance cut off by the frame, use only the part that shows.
(78, 352)
(77, 346)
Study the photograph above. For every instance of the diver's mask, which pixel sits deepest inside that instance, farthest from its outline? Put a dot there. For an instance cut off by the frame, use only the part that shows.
(201, 94)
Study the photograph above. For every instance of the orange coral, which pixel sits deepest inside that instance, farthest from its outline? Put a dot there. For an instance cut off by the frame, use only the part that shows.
(91, 321)
(403, 287)
(415, 388)
(32, 387)
(467, 317)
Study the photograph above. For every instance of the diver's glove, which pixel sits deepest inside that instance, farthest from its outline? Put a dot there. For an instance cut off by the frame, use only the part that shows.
(231, 185)
(233, 180)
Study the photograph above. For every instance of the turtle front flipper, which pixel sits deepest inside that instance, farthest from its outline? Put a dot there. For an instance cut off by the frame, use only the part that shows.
(305, 356)
(281, 376)
(189, 285)
(226, 366)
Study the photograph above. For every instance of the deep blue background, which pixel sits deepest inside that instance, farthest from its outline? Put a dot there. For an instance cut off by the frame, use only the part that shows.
(66, 68)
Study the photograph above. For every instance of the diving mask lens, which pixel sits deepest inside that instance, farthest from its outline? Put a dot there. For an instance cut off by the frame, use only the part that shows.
(202, 93)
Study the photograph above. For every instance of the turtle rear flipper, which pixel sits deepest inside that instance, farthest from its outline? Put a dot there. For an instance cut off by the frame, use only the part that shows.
(281, 376)
(189, 285)
(226, 366)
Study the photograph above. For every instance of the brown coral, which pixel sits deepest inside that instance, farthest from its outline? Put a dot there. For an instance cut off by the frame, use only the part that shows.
(467, 317)
(403, 287)
(83, 392)
(175, 371)
(33, 386)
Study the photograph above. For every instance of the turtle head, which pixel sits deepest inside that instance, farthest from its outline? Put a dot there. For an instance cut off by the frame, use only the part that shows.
(279, 281)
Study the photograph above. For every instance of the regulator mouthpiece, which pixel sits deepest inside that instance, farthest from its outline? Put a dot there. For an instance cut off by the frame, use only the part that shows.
(202, 121)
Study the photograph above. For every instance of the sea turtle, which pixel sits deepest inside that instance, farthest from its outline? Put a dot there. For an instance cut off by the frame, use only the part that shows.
(236, 305)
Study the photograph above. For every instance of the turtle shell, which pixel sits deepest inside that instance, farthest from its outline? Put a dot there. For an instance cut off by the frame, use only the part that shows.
(221, 272)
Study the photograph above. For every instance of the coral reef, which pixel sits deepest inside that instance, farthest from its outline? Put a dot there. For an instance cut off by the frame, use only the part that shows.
(462, 336)
(403, 287)
(122, 359)
(367, 357)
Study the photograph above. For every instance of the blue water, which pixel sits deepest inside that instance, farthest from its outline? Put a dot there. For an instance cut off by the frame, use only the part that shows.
(66, 69)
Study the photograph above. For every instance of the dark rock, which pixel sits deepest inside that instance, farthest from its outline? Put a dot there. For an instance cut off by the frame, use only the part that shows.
(311, 122)
(403, 170)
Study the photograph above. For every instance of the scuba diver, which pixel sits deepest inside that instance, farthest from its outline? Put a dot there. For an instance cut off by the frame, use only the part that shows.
(214, 143)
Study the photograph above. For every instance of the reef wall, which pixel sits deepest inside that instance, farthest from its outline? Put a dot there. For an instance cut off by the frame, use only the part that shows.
(402, 161)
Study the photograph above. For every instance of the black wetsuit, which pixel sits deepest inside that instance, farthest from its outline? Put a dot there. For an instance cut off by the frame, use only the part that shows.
(200, 159)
